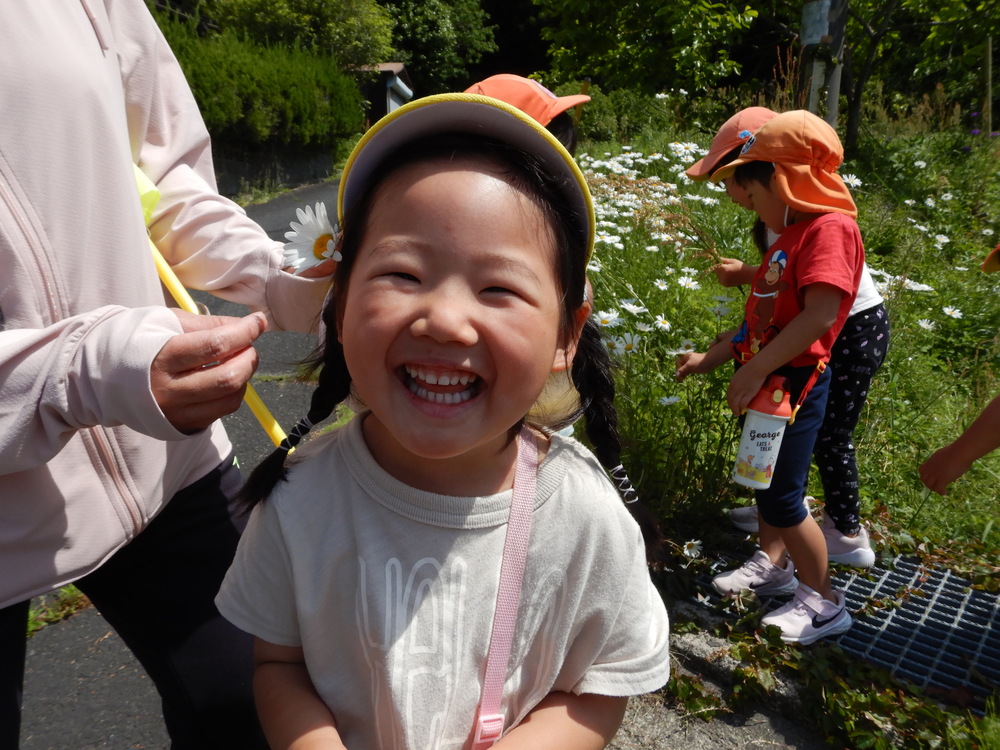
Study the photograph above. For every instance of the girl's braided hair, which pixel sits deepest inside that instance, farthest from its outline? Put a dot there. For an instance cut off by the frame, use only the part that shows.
(591, 367)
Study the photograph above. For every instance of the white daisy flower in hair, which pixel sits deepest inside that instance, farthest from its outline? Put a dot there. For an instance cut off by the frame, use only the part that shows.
(312, 240)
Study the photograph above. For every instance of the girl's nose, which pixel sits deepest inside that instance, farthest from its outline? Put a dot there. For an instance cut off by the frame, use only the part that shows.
(447, 316)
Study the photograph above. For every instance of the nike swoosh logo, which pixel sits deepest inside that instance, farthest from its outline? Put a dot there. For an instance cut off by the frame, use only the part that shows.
(818, 623)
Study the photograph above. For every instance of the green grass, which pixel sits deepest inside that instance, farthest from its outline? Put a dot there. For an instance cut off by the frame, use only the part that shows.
(55, 607)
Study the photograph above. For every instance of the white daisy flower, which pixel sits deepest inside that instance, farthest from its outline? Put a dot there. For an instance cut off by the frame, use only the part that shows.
(652, 249)
(687, 345)
(987, 232)
(615, 344)
(633, 308)
(688, 283)
(916, 286)
(946, 196)
(941, 239)
(692, 549)
(630, 342)
(662, 323)
(311, 241)
(929, 202)
(669, 400)
(952, 312)
(719, 311)
(608, 318)
(927, 325)
(643, 327)
(920, 164)
(909, 201)
(851, 180)
(661, 284)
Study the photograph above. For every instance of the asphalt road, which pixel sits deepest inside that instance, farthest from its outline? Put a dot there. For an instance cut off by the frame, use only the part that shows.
(84, 690)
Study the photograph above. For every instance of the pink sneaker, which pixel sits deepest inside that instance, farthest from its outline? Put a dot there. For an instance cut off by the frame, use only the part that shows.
(809, 617)
(760, 575)
(847, 550)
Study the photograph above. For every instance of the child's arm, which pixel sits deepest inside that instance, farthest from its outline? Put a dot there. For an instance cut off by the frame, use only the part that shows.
(292, 714)
(819, 313)
(569, 722)
(953, 460)
(733, 272)
(698, 363)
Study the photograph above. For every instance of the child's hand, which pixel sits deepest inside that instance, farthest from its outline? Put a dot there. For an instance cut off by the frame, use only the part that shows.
(691, 363)
(746, 384)
(733, 272)
(945, 466)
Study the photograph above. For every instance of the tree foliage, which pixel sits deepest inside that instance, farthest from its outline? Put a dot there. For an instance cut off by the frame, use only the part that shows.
(355, 32)
(440, 41)
(646, 44)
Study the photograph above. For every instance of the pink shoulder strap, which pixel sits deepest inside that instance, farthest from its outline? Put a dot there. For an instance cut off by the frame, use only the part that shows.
(489, 719)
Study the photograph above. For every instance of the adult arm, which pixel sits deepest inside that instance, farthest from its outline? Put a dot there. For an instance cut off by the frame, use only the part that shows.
(568, 721)
(291, 712)
(208, 240)
(819, 313)
(77, 374)
(950, 462)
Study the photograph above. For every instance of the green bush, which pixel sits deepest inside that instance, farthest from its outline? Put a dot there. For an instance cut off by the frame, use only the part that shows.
(264, 95)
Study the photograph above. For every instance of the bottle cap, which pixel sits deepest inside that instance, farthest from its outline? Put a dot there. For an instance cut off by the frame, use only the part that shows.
(773, 398)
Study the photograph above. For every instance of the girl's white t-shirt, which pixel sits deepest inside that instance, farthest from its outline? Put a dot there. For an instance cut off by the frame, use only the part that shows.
(390, 592)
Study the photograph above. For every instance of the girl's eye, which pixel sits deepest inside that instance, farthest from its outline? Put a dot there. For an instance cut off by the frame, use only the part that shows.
(402, 275)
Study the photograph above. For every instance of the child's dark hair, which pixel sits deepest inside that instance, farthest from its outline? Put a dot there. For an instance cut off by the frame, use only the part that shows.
(591, 368)
(563, 127)
(753, 171)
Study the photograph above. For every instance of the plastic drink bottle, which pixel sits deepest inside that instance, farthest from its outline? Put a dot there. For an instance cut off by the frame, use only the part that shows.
(763, 428)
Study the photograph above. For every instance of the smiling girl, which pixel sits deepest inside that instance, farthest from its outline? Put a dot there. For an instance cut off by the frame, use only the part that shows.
(377, 577)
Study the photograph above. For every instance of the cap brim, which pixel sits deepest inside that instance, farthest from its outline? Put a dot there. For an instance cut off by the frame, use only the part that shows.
(472, 114)
(992, 262)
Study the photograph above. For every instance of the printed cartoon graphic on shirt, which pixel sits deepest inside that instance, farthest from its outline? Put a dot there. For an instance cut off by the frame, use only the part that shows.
(758, 325)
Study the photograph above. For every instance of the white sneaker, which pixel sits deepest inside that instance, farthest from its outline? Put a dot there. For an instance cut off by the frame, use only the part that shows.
(760, 575)
(746, 518)
(809, 617)
(847, 550)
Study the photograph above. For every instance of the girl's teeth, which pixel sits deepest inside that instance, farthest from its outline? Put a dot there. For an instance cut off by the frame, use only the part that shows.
(443, 379)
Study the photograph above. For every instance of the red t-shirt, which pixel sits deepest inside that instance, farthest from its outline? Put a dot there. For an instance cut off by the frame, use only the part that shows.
(825, 250)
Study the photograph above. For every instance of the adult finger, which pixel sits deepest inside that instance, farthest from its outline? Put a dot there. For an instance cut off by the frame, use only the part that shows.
(208, 339)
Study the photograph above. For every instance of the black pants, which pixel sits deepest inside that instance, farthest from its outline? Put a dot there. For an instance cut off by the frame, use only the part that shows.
(854, 359)
(157, 593)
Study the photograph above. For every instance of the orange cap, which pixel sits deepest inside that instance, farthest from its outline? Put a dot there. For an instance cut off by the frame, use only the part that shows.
(527, 95)
(734, 133)
(773, 398)
(805, 152)
(992, 262)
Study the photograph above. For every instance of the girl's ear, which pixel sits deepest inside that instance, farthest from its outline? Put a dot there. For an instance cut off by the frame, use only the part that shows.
(564, 354)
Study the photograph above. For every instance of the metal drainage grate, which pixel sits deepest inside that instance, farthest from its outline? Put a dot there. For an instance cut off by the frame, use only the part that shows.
(934, 632)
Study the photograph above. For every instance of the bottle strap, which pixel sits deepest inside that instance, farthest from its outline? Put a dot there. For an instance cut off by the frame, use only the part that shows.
(489, 718)
(813, 377)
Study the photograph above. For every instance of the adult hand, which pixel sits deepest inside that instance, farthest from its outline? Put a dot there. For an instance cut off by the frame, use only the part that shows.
(319, 270)
(201, 374)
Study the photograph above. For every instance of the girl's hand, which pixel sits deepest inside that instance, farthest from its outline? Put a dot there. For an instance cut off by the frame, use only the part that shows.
(746, 383)
(944, 467)
(691, 363)
(733, 272)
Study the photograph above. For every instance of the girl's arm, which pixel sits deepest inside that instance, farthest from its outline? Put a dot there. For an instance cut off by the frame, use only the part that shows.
(568, 722)
(698, 363)
(291, 713)
(822, 303)
(953, 460)
(733, 272)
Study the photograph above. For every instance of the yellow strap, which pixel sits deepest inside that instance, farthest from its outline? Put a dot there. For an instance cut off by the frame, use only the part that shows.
(149, 195)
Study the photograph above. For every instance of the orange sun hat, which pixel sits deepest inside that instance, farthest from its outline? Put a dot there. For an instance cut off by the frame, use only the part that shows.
(527, 95)
(805, 152)
(734, 133)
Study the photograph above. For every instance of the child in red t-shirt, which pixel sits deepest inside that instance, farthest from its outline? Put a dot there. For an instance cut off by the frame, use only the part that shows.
(802, 293)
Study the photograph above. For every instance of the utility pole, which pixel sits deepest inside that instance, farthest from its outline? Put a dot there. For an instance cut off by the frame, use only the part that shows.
(824, 25)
